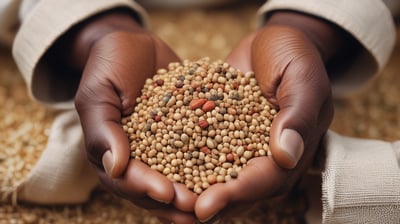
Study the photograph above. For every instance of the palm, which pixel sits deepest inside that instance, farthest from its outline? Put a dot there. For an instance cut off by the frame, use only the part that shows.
(113, 77)
(292, 76)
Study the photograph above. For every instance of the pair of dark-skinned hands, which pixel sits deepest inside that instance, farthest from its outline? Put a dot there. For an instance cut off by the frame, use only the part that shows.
(288, 55)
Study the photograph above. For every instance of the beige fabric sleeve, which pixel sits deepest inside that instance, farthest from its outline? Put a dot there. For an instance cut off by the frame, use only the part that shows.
(361, 181)
(43, 22)
(63, 174)
(366, 22)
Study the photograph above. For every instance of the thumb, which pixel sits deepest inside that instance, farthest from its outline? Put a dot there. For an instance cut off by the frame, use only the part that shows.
(292, 76)
(107, 145)
(305, 112)
(98, 106)
(286, 142)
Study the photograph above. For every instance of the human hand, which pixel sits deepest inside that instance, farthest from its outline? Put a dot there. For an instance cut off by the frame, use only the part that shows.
(117, 56)
(289, 56)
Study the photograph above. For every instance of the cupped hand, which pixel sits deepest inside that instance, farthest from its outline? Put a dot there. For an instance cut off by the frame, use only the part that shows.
(289, 58)
(116, 68)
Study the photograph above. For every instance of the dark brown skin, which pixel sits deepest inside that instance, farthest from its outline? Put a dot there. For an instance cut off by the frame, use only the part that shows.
(115, 55)
(288, 55)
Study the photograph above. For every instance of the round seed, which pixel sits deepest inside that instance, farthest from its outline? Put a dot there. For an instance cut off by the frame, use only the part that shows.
(199, 123)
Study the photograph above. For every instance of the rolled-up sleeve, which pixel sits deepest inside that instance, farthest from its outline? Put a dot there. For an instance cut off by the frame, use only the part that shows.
(370, 23)
(43, 22)
(361, 181)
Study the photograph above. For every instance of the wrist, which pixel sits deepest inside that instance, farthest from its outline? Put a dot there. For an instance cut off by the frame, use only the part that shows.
(328, 38)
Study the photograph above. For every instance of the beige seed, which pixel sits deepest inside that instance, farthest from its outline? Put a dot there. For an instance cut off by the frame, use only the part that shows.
(211, 179)
(178, 144)
(211, 143)
(184, 138)
(187, 170)
(205, 185)
(166, 171)
(177, 177)
(199, 125)
(220, 178)
(222, 158)
(240, 150)
(247, 154)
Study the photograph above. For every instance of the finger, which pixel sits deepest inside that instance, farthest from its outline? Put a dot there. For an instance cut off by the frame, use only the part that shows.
(184, 199)
(112, 80)
(291, 74)
(99, 104)
(114, 188)
(125, 61)
(260, 177)
(140, 182)
(298, 122)
(100, 117)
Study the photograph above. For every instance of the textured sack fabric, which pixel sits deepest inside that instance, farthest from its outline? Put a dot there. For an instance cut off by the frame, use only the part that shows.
(63, 173)
(361, 181)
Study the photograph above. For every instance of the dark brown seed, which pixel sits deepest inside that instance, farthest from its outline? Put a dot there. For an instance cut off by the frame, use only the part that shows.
(159, 82)
(234, 174)
(179, 84)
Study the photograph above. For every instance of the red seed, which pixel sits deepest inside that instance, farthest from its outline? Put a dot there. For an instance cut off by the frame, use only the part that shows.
(203, 124)
(197, 103)
(230, 157)
(205, 150)
(231, 111)
(250, 112)
(235, 85)
(208, 106)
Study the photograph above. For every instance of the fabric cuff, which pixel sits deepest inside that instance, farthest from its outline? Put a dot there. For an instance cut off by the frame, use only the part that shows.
(365, 21)
(360, 181)
(62, 175)
(44, 24)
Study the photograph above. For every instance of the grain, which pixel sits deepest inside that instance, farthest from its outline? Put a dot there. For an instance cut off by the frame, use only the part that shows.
(209, 115)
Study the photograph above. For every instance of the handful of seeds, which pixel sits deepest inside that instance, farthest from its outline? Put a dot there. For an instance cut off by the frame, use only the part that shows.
(199, 123)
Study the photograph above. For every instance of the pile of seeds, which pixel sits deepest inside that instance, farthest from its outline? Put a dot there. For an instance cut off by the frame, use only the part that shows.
(23, 137)
(199, 123)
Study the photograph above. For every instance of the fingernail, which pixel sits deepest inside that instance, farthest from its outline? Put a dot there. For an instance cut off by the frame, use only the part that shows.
(161, 201)
(214, 219)
(108, 162)
(292, 143)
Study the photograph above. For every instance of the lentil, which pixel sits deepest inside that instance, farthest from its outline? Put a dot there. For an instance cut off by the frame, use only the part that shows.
(198, 124)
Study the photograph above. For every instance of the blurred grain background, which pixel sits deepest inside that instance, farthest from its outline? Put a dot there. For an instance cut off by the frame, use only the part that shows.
(374, 112)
